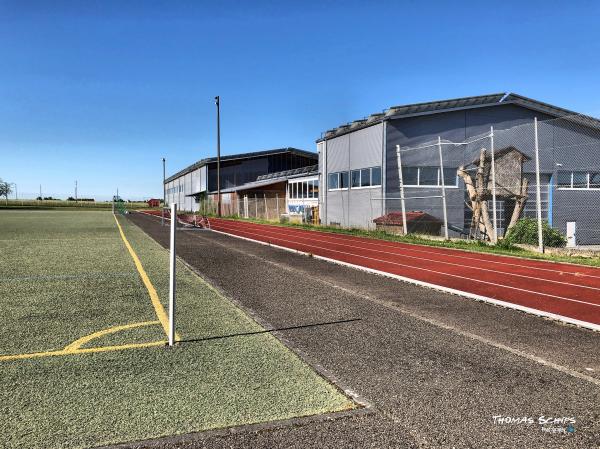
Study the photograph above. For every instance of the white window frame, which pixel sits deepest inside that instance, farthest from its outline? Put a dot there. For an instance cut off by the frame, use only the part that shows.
(359, 170)
(338, 173)
(587, 177)
(432, 186)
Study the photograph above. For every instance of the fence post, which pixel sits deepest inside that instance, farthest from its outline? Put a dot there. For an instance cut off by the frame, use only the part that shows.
(443, 188)
(277, 205)
(401, 178)
(256, 206)
(493, 159)
(172, 275)
(266, 211)
(538, 192)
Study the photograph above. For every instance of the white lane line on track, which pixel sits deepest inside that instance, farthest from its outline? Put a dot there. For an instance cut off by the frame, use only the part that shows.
(562, 298)
(298, 236)
(385, 244)
(542, 313)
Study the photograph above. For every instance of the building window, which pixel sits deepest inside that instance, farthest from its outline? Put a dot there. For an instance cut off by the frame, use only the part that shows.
(366, 177)
(429, 176)
(355, 178)
(578, 180)
(564, 179)
(304, 189)
(376, 176)
(333, 182)
(337, 181)
(344, 181)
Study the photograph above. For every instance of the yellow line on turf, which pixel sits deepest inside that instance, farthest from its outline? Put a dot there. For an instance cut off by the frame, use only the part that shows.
(77, 344)
(158, 307)
(34, 355)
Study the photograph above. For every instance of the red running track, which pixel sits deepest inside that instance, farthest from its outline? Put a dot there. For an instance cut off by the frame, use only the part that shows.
(567, 292)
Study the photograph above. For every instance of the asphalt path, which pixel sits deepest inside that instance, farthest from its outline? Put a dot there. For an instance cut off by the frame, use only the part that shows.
(433, 369)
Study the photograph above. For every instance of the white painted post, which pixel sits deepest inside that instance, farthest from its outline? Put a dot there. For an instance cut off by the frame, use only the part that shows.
(571, 234)
(538, 192)
(443, 188)
(401, 178)
(172, 275)
(493, 158)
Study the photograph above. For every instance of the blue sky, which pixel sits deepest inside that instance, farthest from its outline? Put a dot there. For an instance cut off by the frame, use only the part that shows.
(100, 91)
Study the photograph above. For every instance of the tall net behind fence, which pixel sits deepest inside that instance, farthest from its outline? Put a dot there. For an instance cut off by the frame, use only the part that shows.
(547, 171)
(570, 161)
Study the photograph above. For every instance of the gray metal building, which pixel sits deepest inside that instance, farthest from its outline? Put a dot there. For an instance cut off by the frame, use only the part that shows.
(359, 170)
(199, 180)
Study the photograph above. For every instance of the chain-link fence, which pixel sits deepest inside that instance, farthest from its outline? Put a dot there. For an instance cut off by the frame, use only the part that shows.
(262, 206)
(480, 187)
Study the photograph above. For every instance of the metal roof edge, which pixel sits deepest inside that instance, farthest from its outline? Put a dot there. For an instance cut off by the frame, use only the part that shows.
(499, 99)
(233, 157)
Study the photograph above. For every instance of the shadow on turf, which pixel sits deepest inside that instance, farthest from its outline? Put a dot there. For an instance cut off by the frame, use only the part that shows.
(243, 334)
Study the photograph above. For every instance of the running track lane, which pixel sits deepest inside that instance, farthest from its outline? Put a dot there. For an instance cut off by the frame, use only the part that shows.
(570, 291)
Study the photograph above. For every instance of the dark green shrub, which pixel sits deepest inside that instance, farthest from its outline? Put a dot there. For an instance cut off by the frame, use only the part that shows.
(526, 231)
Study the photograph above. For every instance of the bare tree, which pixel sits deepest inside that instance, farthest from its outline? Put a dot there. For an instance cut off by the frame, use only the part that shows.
(509, 182)
(5, 189)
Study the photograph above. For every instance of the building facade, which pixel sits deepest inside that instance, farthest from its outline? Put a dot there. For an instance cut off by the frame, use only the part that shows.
(198, 182)
(358, 163)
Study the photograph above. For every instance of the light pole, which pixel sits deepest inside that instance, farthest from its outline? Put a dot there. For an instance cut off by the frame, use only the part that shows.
(75, 190)
(164, 194)
(217, 102)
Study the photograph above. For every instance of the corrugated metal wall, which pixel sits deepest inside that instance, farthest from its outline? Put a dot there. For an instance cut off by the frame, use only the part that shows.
(353, 207)
(366, 150)
(338, 154)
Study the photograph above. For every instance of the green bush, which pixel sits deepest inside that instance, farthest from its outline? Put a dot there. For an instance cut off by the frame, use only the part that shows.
(526, 231)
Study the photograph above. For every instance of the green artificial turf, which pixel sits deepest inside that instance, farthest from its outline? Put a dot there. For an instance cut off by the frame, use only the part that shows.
(66, 274)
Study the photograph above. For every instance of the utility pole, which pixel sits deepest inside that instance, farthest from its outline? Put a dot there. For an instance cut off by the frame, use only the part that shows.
(41, 198)
(75, 190)
(217, 102)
